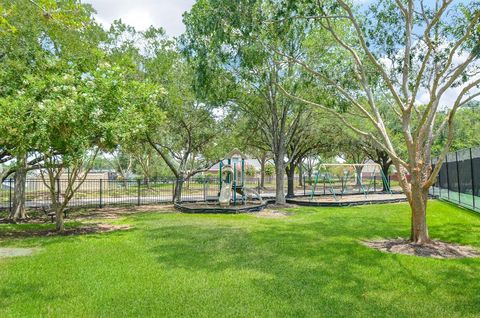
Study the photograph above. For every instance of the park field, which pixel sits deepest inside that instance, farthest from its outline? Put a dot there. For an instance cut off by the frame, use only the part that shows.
(310, 263)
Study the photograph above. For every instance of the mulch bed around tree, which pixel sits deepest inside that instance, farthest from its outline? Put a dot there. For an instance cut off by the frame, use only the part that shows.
(434, 249)
(83, 229)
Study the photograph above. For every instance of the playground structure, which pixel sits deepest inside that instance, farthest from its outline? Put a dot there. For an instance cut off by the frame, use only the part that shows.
(348, 184)
(233, 195)
(342, 179)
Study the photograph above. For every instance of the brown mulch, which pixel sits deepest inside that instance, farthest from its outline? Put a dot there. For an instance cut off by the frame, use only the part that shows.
(433, 249)
(84, 229)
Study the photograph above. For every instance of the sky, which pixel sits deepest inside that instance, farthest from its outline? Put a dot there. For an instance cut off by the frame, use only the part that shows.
(143, 13)
(168, 14)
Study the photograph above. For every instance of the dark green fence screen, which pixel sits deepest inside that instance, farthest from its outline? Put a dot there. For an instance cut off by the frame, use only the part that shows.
(459, 178)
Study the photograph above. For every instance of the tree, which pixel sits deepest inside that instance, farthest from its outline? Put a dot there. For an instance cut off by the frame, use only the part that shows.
(314, 135)
(466, 129)
(82, 115)
(226, 40)
(188, 139)
(397, 50)
(40, 39)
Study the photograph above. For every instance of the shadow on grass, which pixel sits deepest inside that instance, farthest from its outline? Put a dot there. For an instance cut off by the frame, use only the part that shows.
(319, 260)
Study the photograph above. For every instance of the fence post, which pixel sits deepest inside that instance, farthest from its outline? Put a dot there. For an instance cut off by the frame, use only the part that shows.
(304, 186)
(10, 203)
(440, 181)
(58, 190)
(138, 191)
(324, 186)
(458, 177)
(473, 177)
(173, 190)
(436, 180)
(258, 185)
(204, 190)
(101, 192)
(448, 177)
(375, 183)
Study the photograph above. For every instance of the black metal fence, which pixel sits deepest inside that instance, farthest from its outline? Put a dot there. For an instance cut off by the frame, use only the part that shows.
(459, 178)
(99, 193)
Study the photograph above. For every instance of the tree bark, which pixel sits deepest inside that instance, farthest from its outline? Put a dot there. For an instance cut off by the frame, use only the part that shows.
(290, 170)
(146, 181)
(262, 172)
(59, 222)
(279, 179)
(177, 197)
(300, 175)
(358, 171)
(418, 204)
(20, 180)
(385, 169)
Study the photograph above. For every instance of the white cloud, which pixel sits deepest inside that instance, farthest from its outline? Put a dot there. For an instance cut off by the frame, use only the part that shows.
(143, 13)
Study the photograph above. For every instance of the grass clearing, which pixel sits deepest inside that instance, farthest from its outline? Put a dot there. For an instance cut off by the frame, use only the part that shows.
(308, 264)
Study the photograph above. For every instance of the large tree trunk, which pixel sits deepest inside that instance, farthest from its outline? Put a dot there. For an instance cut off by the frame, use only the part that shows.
(59, 222)
(290, 169)
(417, 196)
(262, 172)
(177, 196)
(279, 178)
(300, 175)
(358, 171)
(20, 180)
(146, 181)
(418, 204)
(385, 169)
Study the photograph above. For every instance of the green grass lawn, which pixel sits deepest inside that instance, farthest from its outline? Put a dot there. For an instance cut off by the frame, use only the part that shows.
(309, 264)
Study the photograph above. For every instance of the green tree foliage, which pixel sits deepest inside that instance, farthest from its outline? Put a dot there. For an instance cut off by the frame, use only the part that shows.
(393, 51)
(233, 50)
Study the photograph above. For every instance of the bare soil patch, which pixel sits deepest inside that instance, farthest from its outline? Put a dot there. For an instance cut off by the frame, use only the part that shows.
(17, 251)
(434, 249)
(271, 213)
(348, 198)
(84, 229)
(37, 217)
(120, 211)
(282, 206)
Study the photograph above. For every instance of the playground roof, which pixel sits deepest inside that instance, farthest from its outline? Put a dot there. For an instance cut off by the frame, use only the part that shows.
(235, 153)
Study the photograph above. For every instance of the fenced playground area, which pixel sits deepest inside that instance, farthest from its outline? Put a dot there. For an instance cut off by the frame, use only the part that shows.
(331, 184)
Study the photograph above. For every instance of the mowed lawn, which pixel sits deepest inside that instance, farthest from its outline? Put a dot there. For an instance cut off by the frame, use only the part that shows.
(309, 264)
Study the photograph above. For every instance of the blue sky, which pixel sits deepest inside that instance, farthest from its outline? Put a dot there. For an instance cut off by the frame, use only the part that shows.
(143, 13)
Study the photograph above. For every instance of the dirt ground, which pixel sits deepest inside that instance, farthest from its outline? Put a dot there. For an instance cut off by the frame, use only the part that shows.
(434, 249)
(271, 213)
(83, 229)
(353, 198)
(18, 251)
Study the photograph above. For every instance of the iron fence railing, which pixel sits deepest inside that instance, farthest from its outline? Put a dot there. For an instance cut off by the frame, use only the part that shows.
(459, 178)
(99, 193)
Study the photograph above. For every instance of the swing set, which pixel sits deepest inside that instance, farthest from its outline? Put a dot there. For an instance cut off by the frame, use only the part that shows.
(341, 179)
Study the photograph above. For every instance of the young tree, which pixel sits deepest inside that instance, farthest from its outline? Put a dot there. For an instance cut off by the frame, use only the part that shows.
(411, 52)
(41, 37)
